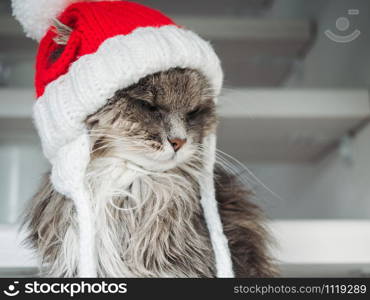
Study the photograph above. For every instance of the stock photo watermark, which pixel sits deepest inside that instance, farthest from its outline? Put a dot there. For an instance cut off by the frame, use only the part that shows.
(12, 290)
(342, 24)
(70, 289)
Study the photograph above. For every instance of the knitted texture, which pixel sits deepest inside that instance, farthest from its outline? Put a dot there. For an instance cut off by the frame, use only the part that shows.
(112, 46)
(92, 24)
(209, 204)
(119, 62)
(68, 178)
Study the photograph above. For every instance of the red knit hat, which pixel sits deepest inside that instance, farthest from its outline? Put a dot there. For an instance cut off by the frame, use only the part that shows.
(93, 23)
(113, 45)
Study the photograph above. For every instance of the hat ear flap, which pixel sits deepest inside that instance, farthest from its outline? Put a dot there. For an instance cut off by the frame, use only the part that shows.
(62, 31)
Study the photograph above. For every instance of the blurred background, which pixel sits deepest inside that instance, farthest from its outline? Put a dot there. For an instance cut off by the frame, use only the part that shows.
(295, 111)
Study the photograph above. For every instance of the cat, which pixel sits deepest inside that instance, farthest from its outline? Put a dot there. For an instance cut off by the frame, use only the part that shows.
(155, 226)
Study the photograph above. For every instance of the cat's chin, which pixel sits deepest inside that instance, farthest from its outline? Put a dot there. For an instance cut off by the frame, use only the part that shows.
(160, 167)
(159, 163)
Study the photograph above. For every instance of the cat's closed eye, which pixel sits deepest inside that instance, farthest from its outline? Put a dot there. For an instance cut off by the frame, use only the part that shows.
(193, 113)
(146, 105)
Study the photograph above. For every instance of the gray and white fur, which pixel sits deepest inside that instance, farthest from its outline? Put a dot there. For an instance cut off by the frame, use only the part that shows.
(154, 225)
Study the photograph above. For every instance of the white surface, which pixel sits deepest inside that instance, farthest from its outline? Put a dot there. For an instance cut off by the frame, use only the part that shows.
(300, 242)
(322, 241)
(253, 103)
(295, 103)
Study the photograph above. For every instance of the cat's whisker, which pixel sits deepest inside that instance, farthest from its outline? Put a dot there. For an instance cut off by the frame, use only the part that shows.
(232, 169)
(145, 198)
(245, 169)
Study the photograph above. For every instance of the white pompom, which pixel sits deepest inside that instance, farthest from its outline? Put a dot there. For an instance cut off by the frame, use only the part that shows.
(36, 15)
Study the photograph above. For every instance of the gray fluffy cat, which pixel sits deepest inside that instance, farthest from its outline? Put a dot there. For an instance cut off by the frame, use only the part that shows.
(156, 228)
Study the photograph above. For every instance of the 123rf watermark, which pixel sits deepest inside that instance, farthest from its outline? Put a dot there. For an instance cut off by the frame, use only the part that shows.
(324, 289)
(70, 289)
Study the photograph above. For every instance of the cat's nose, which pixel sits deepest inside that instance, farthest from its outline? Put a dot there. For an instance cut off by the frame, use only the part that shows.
(177, 143)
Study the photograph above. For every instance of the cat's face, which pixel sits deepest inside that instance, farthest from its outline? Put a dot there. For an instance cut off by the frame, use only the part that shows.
(158, 123)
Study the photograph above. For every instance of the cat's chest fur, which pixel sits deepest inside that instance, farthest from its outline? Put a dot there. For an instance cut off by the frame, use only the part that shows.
(150, 225)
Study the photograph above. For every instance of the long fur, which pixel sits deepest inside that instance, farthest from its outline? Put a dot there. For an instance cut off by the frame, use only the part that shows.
(147, 233)
(154, 231)
(147, 212)
(244, 225)
(151, 228)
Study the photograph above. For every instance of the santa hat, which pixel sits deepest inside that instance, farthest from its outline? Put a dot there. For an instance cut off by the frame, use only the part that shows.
(112, 46)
